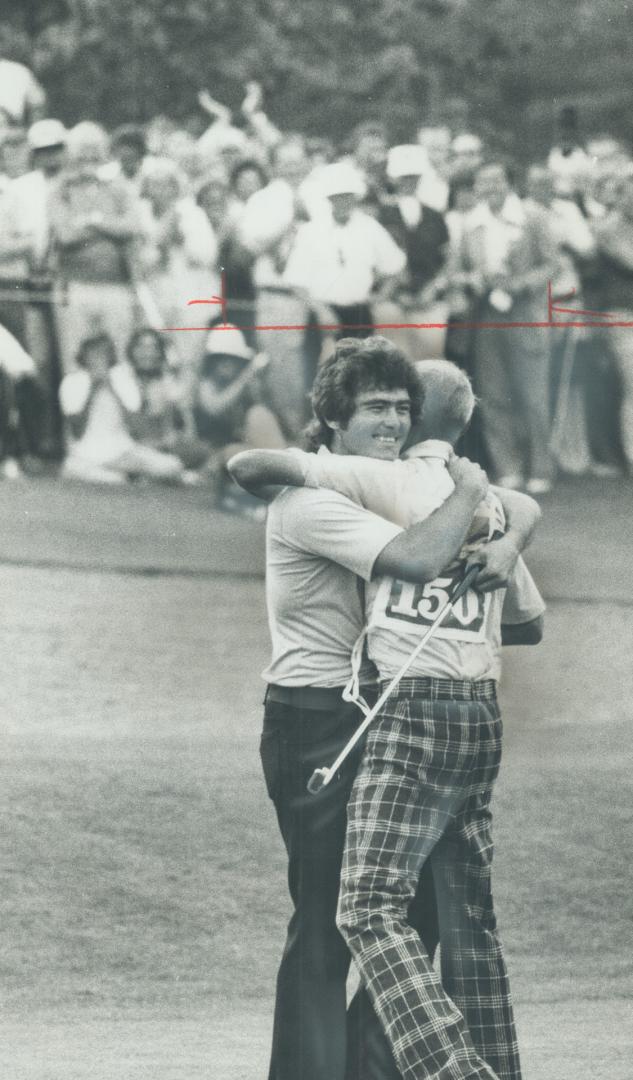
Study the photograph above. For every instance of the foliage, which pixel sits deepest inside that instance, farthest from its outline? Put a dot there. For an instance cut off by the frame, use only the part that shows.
(327, 64)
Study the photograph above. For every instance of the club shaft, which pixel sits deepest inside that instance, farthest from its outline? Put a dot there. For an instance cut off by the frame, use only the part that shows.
(362, 728)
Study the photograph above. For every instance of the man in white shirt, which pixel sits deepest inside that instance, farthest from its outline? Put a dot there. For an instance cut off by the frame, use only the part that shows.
(344, 261)
(22, 99)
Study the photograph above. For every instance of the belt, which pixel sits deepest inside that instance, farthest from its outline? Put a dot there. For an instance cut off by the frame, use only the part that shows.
(449, 689)
(311, 697)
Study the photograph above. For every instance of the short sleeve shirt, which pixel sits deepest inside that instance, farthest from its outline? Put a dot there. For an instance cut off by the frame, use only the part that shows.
(320, 546)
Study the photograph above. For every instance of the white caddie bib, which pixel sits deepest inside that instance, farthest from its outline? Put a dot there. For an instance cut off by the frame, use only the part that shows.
(400, 603)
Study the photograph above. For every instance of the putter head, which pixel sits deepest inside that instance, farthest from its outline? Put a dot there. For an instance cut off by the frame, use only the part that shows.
(318, 780)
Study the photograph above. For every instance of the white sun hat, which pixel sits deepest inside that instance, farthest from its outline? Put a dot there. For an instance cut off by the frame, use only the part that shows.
(341, 178)
(46, 133)
(228, 341)
(407, 160)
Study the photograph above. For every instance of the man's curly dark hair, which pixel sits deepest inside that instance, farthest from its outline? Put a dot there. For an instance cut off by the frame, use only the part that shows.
(357, 365)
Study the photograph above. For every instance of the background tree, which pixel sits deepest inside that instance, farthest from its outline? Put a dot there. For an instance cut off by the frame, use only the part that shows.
(502, 68)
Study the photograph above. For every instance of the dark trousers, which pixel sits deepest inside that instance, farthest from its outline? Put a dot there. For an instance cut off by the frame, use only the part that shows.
(314, 1036)
(357, 318)
(21, 410)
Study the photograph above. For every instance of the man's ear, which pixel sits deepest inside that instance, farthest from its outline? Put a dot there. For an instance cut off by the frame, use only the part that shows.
(333, 424)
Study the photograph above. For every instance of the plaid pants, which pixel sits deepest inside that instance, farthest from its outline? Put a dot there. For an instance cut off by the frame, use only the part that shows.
(423, 793)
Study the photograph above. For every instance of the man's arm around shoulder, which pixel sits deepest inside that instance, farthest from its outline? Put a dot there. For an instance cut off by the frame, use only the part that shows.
(421, 552)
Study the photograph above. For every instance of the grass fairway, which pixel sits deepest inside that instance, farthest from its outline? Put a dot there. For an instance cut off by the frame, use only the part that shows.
(143, 903)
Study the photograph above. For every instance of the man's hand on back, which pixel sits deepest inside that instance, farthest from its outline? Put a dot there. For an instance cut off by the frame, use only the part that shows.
(466, 475)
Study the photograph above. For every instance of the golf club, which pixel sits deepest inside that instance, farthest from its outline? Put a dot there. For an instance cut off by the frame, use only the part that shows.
(321, 777)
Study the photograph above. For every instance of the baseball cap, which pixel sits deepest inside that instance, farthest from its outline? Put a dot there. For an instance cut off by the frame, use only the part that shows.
(46, 133)
(406, 160)
(228, 341)
(341, 178)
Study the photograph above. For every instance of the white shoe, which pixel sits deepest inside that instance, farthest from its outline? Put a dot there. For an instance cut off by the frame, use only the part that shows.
(10, 469)
(512, 481)
(604, 470)
(537, 485)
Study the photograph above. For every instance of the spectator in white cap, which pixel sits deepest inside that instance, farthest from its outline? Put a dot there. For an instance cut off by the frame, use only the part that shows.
(348, 261)
(230, 409)
(29, 194)
(421, 232)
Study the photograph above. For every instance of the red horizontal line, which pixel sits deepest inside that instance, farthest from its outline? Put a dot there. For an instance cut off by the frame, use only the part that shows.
(578, 311)
(409, 326)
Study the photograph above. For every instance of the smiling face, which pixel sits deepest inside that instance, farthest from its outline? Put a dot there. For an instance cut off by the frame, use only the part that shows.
(378, 426)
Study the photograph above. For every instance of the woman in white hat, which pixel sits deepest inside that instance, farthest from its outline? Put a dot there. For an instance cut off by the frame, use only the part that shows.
(229, 405)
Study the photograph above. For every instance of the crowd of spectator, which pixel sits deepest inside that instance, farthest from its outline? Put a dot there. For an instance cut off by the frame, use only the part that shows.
(107, 237)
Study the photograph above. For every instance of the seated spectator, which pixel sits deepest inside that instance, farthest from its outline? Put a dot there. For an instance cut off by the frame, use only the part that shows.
(20, 408)
(164, 420)
(229, 407)
(99, 401)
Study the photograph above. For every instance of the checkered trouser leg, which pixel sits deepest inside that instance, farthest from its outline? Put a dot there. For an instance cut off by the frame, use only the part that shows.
(423, 791)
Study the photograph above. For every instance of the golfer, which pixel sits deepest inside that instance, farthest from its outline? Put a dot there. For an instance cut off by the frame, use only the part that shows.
(319, 546)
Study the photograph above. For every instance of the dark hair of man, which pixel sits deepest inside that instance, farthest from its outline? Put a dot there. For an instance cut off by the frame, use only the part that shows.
(356, 366)
(97, 341)
(130, 135)
(248, 165)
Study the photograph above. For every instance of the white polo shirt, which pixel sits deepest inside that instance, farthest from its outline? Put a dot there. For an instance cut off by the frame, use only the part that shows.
(318, 545)
(339, 264)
